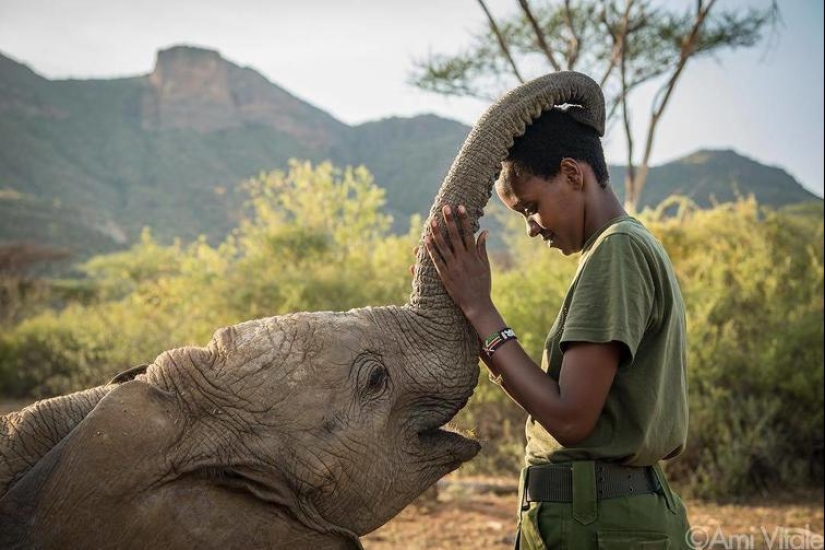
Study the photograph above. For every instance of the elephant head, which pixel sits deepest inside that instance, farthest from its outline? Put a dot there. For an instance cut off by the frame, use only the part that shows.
(298, 431)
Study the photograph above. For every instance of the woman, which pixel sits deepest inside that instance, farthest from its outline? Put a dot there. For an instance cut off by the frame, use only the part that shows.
(610, 397)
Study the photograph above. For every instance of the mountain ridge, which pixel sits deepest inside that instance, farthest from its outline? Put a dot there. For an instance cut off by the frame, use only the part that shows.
(86, 164)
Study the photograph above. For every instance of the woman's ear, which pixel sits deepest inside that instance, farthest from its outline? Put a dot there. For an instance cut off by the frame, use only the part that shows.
(573, 172)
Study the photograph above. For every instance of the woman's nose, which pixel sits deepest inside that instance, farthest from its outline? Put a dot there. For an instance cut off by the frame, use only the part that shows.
(533, 228)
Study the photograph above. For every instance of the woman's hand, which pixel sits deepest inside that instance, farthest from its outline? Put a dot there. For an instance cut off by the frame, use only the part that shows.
(461, 262)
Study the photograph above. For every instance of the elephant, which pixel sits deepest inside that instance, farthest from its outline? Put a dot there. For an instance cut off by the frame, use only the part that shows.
(306, 430)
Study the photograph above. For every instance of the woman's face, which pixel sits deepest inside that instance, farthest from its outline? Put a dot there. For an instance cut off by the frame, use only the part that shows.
(552, 209)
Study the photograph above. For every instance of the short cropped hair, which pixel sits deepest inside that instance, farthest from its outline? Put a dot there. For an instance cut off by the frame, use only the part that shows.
(553, 136)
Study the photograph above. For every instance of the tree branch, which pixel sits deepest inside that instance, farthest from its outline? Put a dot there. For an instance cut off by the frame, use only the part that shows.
(620, 39)
(661, 100)
(501, 42)
(573, 48)
(548, 52)
(613, 51)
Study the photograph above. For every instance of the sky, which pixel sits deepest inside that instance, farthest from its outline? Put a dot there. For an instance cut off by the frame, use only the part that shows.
(353, 58)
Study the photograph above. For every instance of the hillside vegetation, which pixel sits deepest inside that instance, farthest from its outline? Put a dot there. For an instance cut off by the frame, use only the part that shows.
(86, 165)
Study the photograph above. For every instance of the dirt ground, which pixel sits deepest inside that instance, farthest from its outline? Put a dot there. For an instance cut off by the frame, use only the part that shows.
(480, 513)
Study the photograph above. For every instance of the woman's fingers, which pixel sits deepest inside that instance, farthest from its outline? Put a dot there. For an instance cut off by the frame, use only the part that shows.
(446, 246)
(464, 219)
(441, 245)
(435, 256)
(452, 228)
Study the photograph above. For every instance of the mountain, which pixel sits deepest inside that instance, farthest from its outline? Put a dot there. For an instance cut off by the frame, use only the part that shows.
(86, 164)
(714, 176)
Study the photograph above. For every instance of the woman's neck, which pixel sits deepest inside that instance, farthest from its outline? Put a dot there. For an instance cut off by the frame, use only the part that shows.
(602, 206)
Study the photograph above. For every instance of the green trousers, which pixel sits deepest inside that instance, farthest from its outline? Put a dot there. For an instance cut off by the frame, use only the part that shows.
(651, 521)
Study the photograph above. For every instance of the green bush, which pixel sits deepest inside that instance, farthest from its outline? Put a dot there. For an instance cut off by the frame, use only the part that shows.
(311, 238)
(753, 284)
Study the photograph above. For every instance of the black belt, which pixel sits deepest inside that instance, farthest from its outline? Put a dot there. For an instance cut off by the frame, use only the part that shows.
(554, 483)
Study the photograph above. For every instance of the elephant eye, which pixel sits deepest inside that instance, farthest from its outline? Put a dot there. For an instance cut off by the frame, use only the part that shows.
(372, 376)
(377, 379)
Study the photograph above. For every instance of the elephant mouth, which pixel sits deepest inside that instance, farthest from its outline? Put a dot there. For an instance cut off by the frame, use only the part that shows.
(443, 443)
(456, 448)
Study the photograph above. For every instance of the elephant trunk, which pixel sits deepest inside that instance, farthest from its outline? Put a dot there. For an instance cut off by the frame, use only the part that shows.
(473, 173)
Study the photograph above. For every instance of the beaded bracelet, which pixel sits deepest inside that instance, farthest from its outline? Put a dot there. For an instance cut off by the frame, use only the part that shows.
(497, 339)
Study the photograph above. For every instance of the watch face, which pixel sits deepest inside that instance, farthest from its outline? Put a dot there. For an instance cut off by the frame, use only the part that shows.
(508, 333)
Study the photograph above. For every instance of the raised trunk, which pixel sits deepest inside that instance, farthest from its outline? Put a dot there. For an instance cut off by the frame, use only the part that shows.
(474, 171)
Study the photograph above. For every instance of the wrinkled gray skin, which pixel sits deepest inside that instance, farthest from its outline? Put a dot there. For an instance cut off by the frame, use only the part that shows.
(298, 431)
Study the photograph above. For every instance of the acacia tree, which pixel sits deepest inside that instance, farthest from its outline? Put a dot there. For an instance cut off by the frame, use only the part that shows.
(16, 283)
(620, 43)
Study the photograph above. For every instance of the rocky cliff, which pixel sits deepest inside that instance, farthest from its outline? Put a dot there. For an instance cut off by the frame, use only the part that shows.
(195, 88)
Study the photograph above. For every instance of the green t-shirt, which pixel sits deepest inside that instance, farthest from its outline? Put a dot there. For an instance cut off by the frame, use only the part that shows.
(624, 290)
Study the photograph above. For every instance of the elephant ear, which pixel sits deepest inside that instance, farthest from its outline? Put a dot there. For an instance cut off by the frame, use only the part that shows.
(134, 422)
(120, 443)
(118, 446)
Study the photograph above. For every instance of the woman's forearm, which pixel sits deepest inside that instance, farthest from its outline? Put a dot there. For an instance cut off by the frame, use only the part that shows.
(523, 379)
